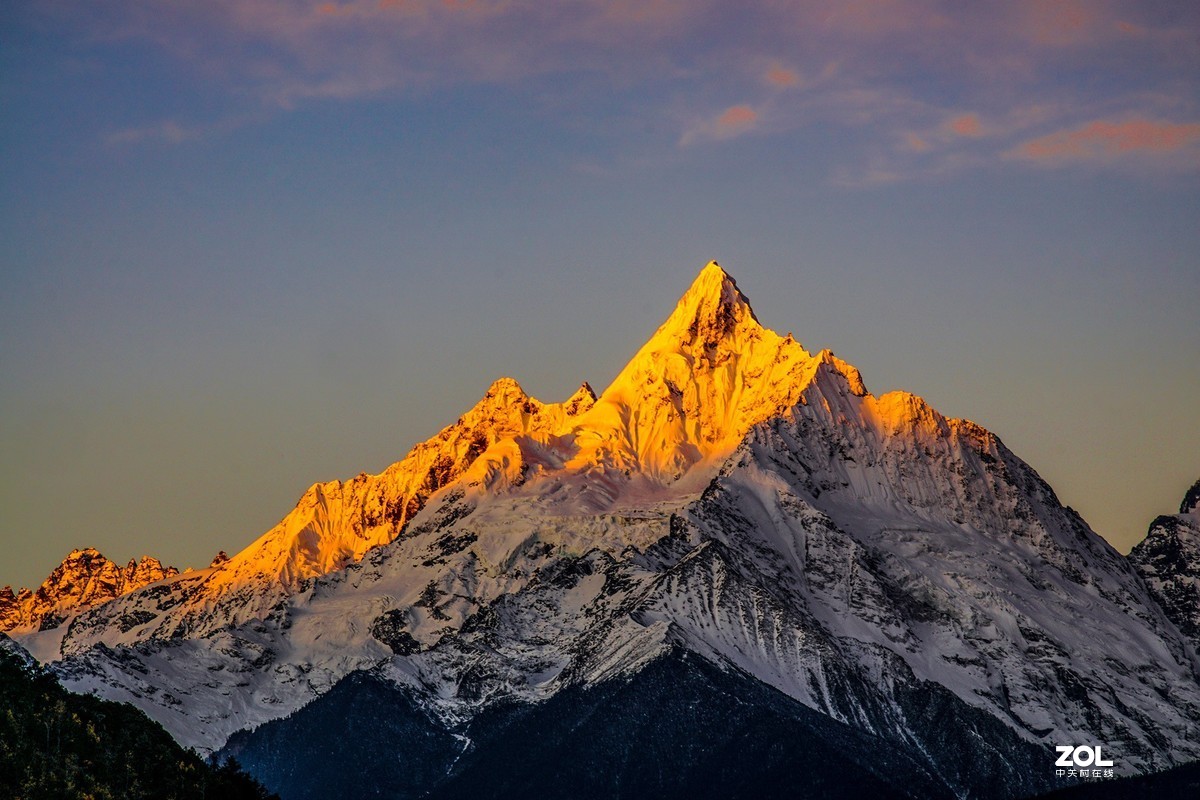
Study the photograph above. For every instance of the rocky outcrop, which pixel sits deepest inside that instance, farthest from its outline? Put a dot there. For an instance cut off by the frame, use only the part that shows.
(84, 579)
(1168, 560)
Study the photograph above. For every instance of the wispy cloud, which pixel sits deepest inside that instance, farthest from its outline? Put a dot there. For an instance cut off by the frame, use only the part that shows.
(781, 77)
(916, 143)
(967, 125)
(174, 132)
(367, 46)
(1063, 22)
(1105, 140)
(168, 131)
(733, 121)
(919, 83)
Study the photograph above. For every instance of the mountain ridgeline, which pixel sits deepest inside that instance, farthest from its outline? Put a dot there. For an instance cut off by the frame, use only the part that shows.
(85, 578)
(1168, 559)
(735, 572)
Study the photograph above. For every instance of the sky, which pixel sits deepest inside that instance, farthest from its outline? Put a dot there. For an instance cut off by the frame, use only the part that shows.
(248, 245)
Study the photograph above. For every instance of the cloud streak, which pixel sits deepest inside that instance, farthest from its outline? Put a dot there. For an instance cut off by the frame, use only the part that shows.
(967, 125)
(735, 120)
(1104, 140)
(732, 122)
(169, 132)
(781, 77)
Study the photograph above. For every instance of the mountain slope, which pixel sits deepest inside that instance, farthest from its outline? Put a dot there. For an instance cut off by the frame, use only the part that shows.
(1179, 783)
(681, 727)
(730, 496)
(1168, 559)
(983, 584)
(687, 397)
(334, 524)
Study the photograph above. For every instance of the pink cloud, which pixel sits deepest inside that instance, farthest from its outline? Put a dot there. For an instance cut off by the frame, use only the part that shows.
(915, 143)
(880, 68)
(965, 125)
(1103, 139)
(736, 119)
(733, 121)
(782, 77)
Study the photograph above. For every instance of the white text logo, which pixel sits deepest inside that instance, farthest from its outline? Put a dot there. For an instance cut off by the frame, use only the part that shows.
(1082, 761)
(1082, 756)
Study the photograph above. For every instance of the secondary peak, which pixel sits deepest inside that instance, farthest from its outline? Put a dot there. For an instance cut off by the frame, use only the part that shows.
(505, 387)
(1191, 500)
(585, 390)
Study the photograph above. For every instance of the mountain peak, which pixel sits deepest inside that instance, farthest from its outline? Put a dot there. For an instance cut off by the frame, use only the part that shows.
(502, 404)
(713, 306)
(1191, 500)
(712, 270)
(695, 387)
(583, 399)
(505, 387)
(313, 540)
(1168, 560)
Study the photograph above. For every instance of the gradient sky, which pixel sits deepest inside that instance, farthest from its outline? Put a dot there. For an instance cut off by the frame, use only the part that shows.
(252, 244)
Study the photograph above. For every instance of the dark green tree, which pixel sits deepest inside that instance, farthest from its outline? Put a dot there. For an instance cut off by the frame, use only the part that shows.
(58, 745)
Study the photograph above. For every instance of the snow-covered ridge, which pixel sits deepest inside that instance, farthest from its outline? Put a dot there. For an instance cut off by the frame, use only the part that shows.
(337, 522)
(1168, 560)
(333, 525)
(85, 578)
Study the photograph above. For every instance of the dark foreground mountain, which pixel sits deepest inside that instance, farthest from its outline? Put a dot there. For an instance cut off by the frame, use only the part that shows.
(58, 745)
(893, 580)
(1179, 783)
(679, 728)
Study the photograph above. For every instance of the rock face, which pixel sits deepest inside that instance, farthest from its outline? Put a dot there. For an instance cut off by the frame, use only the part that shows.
(84, 579)
(336, 523)
(1168, 559)
(730, 500)
(690, 394)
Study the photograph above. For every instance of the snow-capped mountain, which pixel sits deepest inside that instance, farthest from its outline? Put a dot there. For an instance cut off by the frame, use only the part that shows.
(730, 497)
(85, 578)
(1168, 560)
(334, 524)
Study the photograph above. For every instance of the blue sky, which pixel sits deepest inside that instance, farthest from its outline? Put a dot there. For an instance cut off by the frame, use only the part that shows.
(251, 245)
